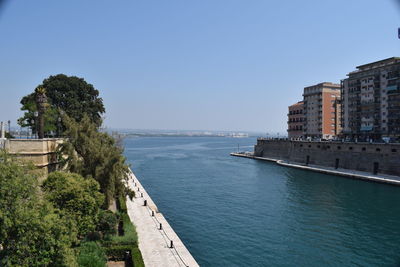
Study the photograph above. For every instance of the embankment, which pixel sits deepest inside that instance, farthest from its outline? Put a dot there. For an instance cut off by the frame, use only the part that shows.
(158, 242)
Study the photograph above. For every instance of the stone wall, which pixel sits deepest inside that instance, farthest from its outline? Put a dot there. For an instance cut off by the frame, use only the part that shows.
(373, 158)
(41, 152)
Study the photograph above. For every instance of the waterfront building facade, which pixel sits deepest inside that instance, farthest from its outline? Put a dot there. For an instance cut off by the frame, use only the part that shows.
(371, 101)
(296, 120)
(322, 111)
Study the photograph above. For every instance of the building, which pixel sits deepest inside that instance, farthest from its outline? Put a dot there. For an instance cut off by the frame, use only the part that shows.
(371, 101)
(322, 110)
(296, 121)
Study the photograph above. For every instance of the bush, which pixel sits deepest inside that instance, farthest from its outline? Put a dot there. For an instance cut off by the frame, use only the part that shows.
(130, 234)
(118, 252)
(122, 204)
(91, 255)
(107, 222)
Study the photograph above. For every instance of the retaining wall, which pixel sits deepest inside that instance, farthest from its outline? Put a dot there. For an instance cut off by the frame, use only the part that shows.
(367, 157)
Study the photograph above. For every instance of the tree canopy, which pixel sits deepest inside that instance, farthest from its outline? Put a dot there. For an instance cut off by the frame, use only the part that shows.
(69, 94)
(77, 197)
(94, 154)
(32, 232)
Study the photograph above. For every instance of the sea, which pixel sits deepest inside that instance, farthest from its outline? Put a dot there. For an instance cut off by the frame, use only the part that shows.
(232, 211)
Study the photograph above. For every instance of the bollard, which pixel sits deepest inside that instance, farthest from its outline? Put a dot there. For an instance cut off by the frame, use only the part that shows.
(152, 213)
(160, 226)
(145, 202)
(171, 244)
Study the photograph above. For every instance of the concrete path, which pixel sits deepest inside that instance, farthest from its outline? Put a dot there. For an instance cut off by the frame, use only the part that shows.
(379, 178)
(155, 244)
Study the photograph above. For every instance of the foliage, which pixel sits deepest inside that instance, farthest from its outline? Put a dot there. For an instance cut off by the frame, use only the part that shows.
(130, 234)
(8, 135)
(91, 255)
(78, 197)
(107, 223)
(28, 120)
(32, 232)
(118, 252)
(68, 94)
(122, 204)
(94, 154)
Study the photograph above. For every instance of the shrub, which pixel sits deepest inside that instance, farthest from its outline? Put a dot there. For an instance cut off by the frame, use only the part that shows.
(107, 222)
(91, 255)
(122, 204)
(130, 234)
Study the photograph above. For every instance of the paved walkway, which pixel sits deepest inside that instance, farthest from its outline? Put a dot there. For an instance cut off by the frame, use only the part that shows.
(155, 244)
(379, 178)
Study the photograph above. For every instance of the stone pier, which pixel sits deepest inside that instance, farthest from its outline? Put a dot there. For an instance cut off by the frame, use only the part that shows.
(154, 232)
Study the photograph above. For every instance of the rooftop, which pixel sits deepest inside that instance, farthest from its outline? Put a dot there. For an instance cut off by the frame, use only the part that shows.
(379, 63)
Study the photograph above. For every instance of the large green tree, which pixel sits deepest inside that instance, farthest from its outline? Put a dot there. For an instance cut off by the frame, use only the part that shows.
(77, 197)
(66, 94)
(32, 232)
(94, 154)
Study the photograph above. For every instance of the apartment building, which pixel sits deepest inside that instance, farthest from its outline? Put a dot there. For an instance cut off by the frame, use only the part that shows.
(322, 110)
(371, 101)
(296, 121)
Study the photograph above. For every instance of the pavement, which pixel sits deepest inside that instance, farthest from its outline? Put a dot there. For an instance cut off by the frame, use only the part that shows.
(155, 244)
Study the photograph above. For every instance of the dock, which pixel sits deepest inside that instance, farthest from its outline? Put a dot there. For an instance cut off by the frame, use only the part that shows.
(379, 178)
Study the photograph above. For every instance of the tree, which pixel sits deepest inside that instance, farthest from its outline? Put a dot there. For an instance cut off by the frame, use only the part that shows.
(94, 154)
(32, 232)
(69, 94)
(77, 197)
(41, 104)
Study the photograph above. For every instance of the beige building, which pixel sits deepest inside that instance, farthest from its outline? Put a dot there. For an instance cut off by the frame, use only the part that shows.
(322, 110)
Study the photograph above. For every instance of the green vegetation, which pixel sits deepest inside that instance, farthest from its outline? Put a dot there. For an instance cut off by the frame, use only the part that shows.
(94, 154)
(91, 254)
(66, 94)
(32, 232)
(77, 197)
(65, 221)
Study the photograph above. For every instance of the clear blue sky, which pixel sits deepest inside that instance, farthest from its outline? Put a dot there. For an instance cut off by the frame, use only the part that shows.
(191, 64)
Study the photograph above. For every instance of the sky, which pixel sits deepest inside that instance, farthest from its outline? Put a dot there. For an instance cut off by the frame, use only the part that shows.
(191, 64)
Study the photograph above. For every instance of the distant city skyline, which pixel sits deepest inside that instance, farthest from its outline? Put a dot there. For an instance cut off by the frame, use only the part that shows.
(185, 65)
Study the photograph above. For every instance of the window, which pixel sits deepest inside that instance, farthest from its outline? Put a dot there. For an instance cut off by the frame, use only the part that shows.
(363, 149)
(394, 150)
(378, 149)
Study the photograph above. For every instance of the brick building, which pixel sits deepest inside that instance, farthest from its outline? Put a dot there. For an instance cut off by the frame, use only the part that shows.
(296, 121)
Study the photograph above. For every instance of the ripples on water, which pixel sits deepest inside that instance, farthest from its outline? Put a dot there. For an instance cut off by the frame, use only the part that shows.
(238, 212)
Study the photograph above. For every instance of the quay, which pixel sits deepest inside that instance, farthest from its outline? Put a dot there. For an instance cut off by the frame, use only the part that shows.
(381, 178)
(159, 244)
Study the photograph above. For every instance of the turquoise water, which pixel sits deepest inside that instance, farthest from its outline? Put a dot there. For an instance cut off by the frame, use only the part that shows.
(233, 211)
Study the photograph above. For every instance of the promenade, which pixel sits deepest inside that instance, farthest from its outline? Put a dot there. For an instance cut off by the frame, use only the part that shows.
(379, 178)
(154, 232)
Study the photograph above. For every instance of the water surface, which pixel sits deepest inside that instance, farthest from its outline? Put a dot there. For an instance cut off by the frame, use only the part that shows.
(233, 211)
